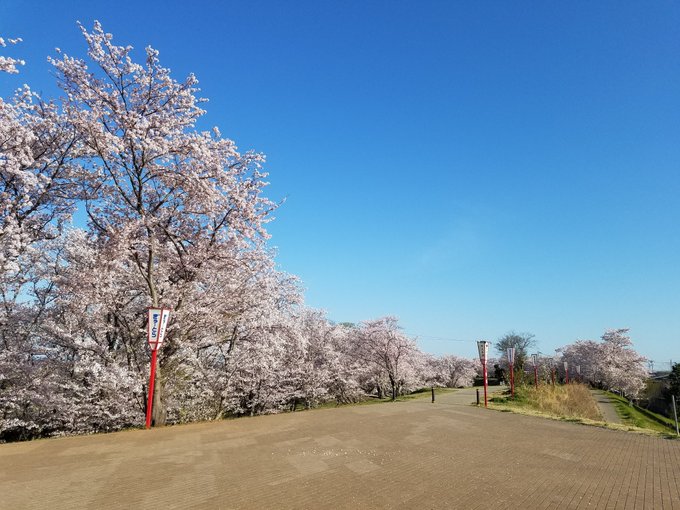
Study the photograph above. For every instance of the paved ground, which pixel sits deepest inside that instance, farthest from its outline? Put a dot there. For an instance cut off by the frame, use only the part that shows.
(411, 454)
(606, 407)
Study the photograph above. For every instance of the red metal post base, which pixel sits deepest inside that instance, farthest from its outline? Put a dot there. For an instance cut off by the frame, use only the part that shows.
(152, 380)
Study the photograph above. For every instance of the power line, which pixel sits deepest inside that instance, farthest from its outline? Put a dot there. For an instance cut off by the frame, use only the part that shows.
(438, 338)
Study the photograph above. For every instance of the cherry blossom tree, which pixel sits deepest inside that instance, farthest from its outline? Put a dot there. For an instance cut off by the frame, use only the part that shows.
(9, 64)
(346, 372)
(453, 371)
(381, 343)
(612, 363)
(37, 150)
(583, 353)
(621, 367)
(163, 200)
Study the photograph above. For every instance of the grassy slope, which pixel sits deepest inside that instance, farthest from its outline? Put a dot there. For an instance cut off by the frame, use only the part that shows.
(569, 403)
(632, 415)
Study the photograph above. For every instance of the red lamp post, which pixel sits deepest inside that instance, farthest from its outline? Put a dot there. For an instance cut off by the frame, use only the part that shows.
(156, 326)
(552, 371)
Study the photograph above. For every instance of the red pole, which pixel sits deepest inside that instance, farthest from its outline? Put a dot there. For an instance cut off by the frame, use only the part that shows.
(536, 376)
(152, 379)
(486, 383)
(512, 380)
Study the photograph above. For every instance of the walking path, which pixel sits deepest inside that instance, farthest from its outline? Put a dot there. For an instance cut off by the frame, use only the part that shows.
(606, 406)
(412, 454)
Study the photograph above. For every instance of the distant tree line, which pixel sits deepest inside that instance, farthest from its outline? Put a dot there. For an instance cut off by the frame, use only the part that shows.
(610, 363)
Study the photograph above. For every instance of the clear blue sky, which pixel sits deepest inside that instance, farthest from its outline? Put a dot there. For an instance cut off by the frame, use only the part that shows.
(471, 168)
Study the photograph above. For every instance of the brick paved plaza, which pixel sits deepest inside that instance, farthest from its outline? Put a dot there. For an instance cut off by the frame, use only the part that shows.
(412, 454)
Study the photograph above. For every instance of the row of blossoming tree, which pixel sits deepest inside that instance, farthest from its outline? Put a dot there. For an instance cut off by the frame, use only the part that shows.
(175, 216)
(611, 363)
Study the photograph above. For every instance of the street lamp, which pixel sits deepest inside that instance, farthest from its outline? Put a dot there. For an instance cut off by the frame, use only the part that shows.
(483, 348)
(534, 358)
(511, 362)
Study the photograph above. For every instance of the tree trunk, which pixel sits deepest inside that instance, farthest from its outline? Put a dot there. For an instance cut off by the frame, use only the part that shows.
(393, 383)
(159, 413)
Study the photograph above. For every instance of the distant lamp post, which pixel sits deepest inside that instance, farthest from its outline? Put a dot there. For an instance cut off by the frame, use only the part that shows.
(553, 369)
(483, 348)
(511, 362)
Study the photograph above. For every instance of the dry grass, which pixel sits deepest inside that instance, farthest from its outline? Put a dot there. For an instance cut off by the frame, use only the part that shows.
(569, 401)
(573, 403)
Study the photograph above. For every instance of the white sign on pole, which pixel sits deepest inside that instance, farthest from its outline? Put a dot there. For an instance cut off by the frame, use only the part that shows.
(566, 365)
(578, 369)
(534, 359)
(483, 348)
(511, 355)
(157, 324)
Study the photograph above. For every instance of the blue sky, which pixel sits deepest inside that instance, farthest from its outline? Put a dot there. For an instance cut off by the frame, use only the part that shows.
(470, 167)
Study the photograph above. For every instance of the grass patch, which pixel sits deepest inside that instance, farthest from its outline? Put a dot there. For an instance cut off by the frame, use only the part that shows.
(421, 393)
